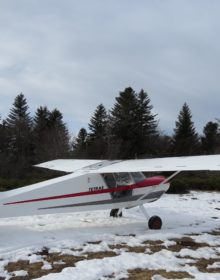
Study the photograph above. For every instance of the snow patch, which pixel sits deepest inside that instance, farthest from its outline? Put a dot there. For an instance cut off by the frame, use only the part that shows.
(78, 234)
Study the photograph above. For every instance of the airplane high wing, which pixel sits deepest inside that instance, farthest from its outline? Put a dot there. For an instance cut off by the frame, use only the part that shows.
(69, 165)
(101, 184)
(189, 163)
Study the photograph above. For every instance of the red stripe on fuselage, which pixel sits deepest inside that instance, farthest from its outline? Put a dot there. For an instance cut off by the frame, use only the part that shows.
(153, 181)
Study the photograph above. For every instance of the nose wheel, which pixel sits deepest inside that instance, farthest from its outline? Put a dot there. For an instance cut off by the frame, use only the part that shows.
(154, 222)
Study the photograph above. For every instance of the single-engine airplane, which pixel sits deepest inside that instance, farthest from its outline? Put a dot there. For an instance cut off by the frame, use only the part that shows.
(101, 184)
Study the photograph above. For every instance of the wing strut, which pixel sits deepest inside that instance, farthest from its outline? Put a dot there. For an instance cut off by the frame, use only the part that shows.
(143, 210)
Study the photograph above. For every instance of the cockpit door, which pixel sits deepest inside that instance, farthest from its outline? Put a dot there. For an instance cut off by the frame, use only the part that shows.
(117, 180)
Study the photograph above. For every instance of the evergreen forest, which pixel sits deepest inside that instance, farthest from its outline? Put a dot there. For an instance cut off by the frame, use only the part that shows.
(128, 130)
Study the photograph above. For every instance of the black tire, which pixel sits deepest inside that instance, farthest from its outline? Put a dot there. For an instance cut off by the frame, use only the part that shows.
(155, 222)
(120, 214)
(114, 213)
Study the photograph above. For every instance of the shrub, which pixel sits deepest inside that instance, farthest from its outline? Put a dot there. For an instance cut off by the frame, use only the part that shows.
(33, 176)
(178, 186)
(197, 181)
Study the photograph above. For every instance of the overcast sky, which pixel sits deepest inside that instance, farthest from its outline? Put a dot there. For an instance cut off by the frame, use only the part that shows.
(74, 55)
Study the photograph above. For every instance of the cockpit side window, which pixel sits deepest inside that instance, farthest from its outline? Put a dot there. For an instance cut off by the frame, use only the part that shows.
(109, 180)
(137, 176)
(117, 180)
(123, 179)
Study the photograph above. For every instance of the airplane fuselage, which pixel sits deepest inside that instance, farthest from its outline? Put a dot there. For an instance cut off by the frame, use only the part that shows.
(82, 192)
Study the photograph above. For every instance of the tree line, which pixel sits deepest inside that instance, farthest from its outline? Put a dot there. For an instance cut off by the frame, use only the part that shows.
(128, 130)
(131, 130)
(26, 140)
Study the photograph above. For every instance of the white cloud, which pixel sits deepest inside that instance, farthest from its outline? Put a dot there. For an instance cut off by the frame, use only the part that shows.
(75, 55)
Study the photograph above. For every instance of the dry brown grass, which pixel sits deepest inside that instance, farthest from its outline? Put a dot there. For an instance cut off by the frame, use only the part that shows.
(94, 242)
(186, 242)
(145, 274)
(35, 270)
(202, 265)
(134, 249)
(215, 232)
(60, 261)
(101, 255)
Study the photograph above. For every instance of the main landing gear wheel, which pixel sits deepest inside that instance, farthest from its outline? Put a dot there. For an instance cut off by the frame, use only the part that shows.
(115, 213)
(155, 222)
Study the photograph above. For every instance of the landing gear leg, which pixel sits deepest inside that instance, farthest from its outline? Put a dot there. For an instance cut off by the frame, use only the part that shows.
(116, 213)
(154, 222)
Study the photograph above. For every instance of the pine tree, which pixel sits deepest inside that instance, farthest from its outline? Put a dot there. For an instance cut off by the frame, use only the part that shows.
(123, 124)
(210, 140)
(97, 138)
(19, 125)
(42, 135)
(80, 144)
(41, 119)
(185, 139)
(4, 140)
(133, 125)
(59, 135)
(98, 122)
(51, 135)
(1, 138)
(146, 125)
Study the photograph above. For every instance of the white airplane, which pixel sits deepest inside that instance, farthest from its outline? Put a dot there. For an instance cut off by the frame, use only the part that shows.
(101, 184)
